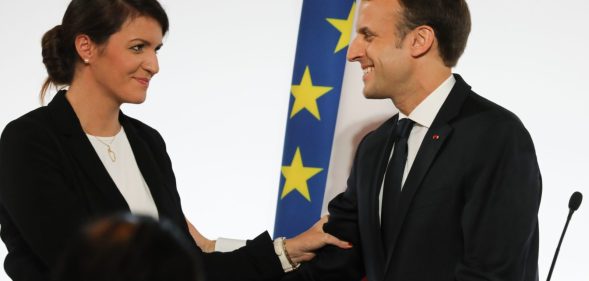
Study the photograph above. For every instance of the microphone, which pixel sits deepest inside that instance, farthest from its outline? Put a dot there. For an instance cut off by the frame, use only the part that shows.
(575, 201)
(574, 204)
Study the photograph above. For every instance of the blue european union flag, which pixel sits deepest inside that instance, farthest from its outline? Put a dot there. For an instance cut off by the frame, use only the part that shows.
(324, 34)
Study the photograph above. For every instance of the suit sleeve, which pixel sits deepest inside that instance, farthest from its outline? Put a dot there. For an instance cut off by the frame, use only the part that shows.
(499, 219)
(332, 263)
(39, 212)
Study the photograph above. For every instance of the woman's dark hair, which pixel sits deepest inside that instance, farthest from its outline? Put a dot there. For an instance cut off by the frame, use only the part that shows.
(130, 248)
(98, 19)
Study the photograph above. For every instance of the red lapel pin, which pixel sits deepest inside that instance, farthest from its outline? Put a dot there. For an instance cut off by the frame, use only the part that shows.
(436, 137)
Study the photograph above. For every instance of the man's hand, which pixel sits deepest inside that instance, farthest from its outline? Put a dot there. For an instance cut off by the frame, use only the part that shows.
(206, 245)
(301, 247)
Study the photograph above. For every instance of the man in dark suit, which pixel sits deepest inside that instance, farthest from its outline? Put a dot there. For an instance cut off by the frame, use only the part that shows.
(454, 194)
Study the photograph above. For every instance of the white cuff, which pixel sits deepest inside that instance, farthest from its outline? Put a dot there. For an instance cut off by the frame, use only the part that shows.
(228, 245)
(281, 253)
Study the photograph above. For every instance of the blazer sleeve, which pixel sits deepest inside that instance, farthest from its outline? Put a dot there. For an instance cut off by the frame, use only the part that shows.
(39, 211)
(499, 218)
(255, 261)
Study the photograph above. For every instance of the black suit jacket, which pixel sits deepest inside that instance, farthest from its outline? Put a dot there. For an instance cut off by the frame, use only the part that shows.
(52, 182)
(468, 209)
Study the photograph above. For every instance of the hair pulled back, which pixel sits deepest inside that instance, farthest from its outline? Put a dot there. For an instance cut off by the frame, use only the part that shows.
(98, 19)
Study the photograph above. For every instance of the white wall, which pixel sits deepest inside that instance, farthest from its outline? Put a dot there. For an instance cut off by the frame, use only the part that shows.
(225, 74)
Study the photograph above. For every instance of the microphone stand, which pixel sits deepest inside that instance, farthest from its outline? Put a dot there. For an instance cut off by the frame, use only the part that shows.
(559, 243)
(574, 204)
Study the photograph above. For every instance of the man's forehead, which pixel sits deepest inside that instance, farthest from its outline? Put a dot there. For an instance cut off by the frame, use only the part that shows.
(380, 3)
(376, 10)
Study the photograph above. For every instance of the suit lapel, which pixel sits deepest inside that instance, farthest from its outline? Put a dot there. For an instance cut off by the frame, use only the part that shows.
(67, 122)
(144, 155)
(432, 143)
(426, 155)
(383, 145)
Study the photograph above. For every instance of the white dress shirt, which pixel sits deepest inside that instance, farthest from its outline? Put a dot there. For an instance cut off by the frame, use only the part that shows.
(423, 115)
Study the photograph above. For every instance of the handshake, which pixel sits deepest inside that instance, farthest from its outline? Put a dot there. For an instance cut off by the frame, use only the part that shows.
(298, 249)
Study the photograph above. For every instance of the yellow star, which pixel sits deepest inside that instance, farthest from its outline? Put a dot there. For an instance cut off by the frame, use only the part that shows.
(306, 95)
(297, 175)
(345, 27)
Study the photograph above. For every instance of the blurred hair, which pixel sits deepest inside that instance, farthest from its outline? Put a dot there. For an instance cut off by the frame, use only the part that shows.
(129, 248)
(98, 19)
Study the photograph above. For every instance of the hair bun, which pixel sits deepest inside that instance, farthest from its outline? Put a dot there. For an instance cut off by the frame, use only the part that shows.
(58, 64)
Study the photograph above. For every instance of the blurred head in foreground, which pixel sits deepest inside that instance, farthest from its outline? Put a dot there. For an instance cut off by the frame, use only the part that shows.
(129, 248)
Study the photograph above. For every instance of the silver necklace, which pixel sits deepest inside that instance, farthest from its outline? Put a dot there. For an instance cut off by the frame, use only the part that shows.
(111, 153)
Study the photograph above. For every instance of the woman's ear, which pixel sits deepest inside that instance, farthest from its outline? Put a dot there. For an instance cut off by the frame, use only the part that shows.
(85, 48)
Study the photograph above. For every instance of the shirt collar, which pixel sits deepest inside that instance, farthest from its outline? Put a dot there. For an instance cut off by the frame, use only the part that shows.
(425, 113)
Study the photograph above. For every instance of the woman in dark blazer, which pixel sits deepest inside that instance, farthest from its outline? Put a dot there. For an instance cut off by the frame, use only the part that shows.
(80, 157)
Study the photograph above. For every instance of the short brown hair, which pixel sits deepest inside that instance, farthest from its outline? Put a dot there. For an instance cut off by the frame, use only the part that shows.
(450, 20)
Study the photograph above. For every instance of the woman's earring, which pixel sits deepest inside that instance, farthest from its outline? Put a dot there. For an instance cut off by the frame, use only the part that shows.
(86, 61)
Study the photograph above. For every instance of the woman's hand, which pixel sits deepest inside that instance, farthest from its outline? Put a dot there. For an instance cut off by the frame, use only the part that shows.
(206, 245)
(301, 248)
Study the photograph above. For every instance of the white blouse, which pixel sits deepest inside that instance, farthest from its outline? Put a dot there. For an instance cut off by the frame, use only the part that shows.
(122, 168)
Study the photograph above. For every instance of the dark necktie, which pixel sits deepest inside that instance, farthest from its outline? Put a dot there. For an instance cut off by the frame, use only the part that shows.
(393, 180)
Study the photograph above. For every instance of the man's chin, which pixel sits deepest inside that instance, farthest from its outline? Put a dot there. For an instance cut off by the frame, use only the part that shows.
(367, 93)
(372, 95)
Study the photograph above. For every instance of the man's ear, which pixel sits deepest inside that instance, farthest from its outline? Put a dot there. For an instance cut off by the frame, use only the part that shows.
(423, 38)
(85, 47)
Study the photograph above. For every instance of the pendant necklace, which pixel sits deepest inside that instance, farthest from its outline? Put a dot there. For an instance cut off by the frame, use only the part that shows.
(111, 153)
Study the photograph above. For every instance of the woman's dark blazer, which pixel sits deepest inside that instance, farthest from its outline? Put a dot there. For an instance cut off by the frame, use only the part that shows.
(52, 182)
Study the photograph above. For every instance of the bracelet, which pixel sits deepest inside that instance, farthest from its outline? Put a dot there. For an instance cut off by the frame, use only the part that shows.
(293, 264)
